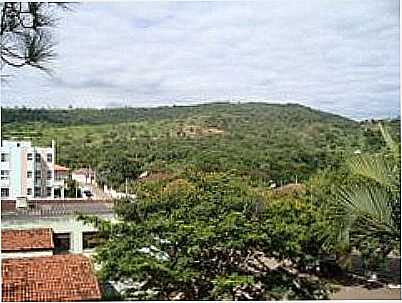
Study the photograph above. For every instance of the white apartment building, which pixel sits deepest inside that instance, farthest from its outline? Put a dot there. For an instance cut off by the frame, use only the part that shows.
(26, 170)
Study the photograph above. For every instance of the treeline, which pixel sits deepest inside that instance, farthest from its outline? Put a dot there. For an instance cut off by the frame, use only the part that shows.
(266, 142)
(80, 116)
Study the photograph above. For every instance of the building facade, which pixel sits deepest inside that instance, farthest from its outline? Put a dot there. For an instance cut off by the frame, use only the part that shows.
(26, 170)
(61, 175)
(84, 176)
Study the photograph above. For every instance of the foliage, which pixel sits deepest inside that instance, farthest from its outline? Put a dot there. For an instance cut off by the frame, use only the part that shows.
(72, 189)
(370, 209)
(204, 225)
(206, 236)
(117, 167)
(263, 141)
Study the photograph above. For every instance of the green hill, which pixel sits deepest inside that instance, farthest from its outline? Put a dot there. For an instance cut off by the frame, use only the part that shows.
(263, 141)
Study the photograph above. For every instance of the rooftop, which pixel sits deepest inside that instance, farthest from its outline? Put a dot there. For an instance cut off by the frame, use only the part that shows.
(13, 143)
(83, 171)
(54, 278)
(58, 167)
(55, 209)
(24, 240)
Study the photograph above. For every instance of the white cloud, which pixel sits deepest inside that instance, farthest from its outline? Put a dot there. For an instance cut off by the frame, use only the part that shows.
(339, 56)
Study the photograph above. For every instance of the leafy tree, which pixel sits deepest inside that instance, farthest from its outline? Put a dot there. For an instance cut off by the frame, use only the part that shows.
(209, 236)
(118, 168)
(72, 189)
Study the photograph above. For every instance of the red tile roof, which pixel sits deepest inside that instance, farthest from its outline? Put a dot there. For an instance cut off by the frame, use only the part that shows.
(54, 278)
(83, 171)
(29, 239)
(60, 168)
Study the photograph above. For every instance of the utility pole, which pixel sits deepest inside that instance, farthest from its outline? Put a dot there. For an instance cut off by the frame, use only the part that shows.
(126, 186)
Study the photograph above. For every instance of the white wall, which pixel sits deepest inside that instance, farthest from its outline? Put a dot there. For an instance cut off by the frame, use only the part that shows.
(80, 178)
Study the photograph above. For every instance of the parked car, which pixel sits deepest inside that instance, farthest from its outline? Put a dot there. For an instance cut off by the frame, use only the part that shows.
(88, 193)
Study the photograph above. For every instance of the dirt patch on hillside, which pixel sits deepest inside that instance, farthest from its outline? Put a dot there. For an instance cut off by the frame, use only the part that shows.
(155, 176)
(287, 190)
(198, 131)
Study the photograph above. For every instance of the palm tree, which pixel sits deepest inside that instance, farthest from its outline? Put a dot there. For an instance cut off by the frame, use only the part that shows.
(370, 209)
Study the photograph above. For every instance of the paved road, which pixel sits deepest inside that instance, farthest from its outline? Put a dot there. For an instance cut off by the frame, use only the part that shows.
(361, 293)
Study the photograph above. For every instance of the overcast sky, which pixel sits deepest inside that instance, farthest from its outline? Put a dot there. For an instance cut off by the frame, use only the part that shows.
(337, 56)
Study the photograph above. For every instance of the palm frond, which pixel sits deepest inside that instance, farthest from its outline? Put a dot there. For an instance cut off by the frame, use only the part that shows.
(374, 167)
(370, 203)
(371, 208)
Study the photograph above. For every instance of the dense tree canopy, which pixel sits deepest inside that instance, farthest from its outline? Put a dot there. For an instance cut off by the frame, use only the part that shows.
(210, 236)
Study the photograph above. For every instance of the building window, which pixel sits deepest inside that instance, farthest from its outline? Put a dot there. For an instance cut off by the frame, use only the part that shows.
(5, 174)
(38, 174)
(29, 156)
(37, 157)
(91, 239)
(58, 176)
(29, 174)
(61, 243)
(48, 191)
(49, 174)
(29, 191)
(5, 192)
(57, 192)
(4, 157)
(49, 157)
(37, 192)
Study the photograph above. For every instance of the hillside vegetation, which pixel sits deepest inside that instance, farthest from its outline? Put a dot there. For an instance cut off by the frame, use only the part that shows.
(265, 142)
(205, 207)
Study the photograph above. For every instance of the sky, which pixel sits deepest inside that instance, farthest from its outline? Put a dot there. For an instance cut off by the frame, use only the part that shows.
(337, 56)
